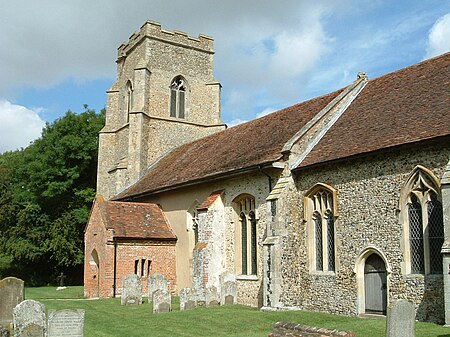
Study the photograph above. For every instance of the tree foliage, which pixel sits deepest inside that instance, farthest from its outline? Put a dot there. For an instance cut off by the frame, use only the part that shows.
(46, 191)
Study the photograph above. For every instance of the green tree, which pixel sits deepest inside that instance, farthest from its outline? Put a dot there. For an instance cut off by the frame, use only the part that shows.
(45, 197)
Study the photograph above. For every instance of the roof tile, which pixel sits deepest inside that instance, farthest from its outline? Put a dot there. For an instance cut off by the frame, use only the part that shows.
(406, 106)
(137, 220)
(243, 146)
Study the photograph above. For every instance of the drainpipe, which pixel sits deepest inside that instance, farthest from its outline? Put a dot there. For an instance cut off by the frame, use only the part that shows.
(115, 267)
(268, 176)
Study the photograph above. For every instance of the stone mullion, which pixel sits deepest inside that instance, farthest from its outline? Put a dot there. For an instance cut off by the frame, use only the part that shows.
(324, 241)
(426, 246)
(249, 245)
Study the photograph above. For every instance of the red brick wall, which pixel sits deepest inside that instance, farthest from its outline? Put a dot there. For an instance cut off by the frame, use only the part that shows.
(98, 282)
(162, 256)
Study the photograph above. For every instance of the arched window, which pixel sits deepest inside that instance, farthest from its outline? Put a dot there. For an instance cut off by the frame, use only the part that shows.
(128, 99)
(247, 235)
(423, 223)
(320, 214)
(178, 97)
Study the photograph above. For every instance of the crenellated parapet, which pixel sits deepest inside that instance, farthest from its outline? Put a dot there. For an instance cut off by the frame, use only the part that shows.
(153, 30)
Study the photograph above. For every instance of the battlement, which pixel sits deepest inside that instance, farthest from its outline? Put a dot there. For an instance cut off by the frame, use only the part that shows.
(153, 30)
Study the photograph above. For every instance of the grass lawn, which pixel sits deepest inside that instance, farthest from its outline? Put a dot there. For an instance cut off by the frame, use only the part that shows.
(108, 318)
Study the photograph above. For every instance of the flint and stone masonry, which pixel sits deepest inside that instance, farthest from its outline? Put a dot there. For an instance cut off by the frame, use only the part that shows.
(139, 129)
(246, 201)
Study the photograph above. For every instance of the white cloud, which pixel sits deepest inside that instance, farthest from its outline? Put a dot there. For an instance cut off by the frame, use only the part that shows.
(18, 126)
(439, 37)
(265, 112)
(236, 121)
(273, 54)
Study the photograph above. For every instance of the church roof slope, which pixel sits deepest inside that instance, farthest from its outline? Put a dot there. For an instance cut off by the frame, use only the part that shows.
(243, 146)
(137, 221)
(403, 107)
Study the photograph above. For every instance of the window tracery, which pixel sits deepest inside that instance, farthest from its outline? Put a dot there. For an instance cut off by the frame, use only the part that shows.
(178, 97)
(247, 229)
(424, 223)
(320, 216)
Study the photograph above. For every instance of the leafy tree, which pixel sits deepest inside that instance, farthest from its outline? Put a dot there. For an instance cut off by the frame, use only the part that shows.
(46, 191)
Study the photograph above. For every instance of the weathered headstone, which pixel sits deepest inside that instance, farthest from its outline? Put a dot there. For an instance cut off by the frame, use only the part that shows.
(131, 290)
(227, 276)
(32, 330)
(29, 319)
(228, 293)
(187, 299)
(66, 323)
(156, 282)
(162, 301)
(11, 294)
(400, 319)
(212, 297)
(4, 332)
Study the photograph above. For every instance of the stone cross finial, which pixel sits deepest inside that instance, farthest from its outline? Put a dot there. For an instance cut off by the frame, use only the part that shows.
(362, 75)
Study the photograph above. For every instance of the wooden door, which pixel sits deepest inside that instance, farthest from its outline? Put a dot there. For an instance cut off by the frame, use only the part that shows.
(375, 285)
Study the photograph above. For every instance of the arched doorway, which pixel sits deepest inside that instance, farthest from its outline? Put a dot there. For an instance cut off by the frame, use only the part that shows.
(95, 269)
(375, 285)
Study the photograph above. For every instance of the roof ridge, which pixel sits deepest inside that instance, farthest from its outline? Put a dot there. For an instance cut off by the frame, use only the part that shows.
(336, 108)
(288, 146)
(413, 65)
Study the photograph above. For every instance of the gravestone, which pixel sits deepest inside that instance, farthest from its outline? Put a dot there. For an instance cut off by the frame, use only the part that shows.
(11, 294)
(212, 297)
(29, 319)
(131, 290)
(4, 332)
(156, 282)
(66, 323)
(162, 301)
(400, 319)
(187, 299)
(32, 330)
(227, 276)
(228, 293)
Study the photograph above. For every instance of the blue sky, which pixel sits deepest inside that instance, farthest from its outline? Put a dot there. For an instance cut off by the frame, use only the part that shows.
(60, 55)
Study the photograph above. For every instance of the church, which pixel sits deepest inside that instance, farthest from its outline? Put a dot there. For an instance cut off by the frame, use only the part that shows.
(338, 204)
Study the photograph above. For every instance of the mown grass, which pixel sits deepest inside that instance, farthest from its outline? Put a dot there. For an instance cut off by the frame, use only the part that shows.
(107, 318)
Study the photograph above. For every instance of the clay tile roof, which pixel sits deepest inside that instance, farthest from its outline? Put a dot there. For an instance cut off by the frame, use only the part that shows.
(403, 107)
(210, 200)
(137, 220)
(243, 146)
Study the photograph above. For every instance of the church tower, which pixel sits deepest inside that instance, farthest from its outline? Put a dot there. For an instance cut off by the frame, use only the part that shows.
(165, 95)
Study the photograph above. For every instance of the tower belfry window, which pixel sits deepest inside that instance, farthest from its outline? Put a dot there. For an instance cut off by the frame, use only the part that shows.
(128, 99)
(178, 98)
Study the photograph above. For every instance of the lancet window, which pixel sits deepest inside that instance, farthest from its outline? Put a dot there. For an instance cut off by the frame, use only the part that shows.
(178, 97)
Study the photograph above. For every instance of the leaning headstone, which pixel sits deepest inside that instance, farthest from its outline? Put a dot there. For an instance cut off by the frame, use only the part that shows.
(66, 323)
(156, 282)
(400, 319)
(11, 294)
(187, 299)
(4, 332)
(131, 290)
(29, 319)
(212, 297)
(162, 301)
(228, 293)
